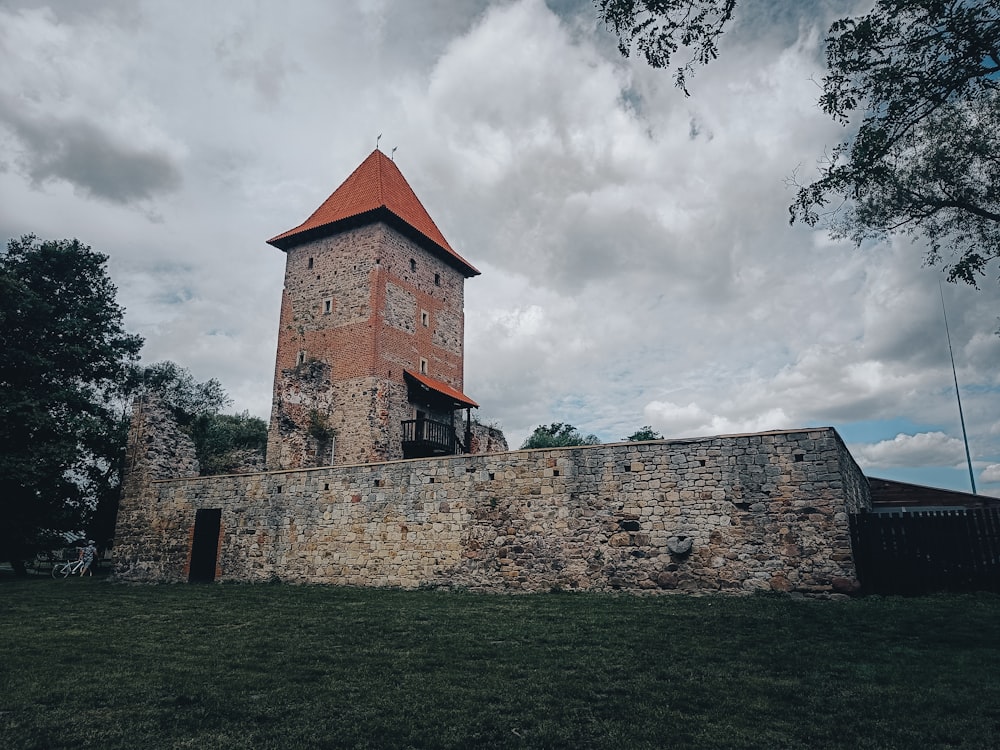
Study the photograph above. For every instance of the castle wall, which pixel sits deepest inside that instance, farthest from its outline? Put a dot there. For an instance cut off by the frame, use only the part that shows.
(735, 513)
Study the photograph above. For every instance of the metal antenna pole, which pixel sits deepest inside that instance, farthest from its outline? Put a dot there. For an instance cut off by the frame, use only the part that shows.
(961, 417)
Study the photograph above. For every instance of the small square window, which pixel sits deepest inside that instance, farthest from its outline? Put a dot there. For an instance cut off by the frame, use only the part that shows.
(413, 264)
(425, 318)
(327, 306)
(423, 366)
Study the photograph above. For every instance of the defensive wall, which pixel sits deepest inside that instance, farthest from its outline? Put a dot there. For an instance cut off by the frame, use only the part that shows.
(732, 513)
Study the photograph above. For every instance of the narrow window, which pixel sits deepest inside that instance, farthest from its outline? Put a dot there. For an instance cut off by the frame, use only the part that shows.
(437, 279)
(301, 358)
(424, 318)
(423, 366)
(310, 263)
(327, 306)
(413, 264)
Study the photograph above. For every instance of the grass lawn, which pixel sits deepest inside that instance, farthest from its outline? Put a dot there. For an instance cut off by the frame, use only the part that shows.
(89, 664)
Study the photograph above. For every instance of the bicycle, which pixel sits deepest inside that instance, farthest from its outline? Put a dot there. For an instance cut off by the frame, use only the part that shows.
(66, 569)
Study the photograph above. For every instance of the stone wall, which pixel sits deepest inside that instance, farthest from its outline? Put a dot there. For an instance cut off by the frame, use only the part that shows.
(740, 513)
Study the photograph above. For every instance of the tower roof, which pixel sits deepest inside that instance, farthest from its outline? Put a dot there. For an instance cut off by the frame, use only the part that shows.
(375, 191)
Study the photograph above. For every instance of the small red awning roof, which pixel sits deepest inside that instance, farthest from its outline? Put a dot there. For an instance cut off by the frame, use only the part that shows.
(453, 394)
(375, 187)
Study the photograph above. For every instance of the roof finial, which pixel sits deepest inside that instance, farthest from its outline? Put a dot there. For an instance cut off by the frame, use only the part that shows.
(393, 154)
(377, 140)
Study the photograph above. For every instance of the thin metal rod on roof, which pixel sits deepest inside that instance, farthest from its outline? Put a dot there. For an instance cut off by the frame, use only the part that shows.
(393, 154)
(961, 417)
(377, 140)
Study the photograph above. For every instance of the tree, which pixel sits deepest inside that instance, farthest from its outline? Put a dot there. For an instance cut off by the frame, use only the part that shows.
(659, 28)
(224, 441)
(63, 355)
(177, 389)
(558, 435)
(919, 79)
(643, 433)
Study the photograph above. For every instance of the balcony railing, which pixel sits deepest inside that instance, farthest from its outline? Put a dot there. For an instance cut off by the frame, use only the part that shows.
(425, 437)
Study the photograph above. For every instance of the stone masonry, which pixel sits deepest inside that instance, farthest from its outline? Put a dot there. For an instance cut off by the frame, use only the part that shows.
(740, 513)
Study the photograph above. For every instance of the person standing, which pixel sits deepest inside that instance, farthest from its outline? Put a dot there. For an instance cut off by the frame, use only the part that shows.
(87, 554)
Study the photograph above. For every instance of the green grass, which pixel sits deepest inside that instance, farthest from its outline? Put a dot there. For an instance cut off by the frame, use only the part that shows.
(86, 663)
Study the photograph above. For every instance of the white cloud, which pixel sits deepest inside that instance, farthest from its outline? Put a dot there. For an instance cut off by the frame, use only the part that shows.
(638, 267)
(921, 450)
(991, 473)
(675, 420)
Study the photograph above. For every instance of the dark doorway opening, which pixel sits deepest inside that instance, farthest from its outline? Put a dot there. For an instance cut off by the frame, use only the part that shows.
(205, 547)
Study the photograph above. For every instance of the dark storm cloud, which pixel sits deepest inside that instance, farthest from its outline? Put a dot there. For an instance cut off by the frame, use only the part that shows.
(93, 160)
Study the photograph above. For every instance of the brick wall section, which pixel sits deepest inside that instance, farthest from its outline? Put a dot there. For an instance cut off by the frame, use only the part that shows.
(355, 304)
(735, 514)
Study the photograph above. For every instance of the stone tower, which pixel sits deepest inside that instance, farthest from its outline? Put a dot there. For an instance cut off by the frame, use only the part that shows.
(370, 346)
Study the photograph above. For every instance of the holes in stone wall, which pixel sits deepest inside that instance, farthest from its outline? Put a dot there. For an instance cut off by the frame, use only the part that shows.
(492, 476)
(413, 264)
(279, 489)
(310, 263)
(555, 472)
(800, 457)
(701, 461)
(437, 279)
(326, 487)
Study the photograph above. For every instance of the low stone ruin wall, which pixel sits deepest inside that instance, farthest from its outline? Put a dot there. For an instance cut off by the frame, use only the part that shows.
(737, 513)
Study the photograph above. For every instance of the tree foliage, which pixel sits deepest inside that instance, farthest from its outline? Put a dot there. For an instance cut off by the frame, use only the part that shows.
(222, 441)
(558, 435)
(917, 80)
(925, 160)
(660, 28)
(63, 356)
(645, 432)
(177, 389)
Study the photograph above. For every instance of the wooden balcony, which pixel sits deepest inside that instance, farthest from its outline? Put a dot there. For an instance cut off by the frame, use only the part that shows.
(423, 438)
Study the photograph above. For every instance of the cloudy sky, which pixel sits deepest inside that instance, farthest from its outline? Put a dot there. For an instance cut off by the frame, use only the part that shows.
(638, 266)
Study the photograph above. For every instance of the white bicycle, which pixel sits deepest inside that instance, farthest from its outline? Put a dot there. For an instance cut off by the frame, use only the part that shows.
(66, 569)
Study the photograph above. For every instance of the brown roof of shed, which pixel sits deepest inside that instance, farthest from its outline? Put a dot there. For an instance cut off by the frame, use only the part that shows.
(376, 190)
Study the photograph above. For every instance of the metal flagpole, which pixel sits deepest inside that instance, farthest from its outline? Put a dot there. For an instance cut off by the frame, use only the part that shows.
(961, 417)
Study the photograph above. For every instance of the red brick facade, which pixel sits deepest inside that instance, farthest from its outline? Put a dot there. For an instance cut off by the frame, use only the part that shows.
(362, 302)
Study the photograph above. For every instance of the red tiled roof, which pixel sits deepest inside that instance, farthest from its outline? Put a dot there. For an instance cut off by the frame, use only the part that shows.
(376, 184)
(443, 388)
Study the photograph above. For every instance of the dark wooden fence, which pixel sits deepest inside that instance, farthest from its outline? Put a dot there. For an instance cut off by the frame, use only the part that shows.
(925, 551)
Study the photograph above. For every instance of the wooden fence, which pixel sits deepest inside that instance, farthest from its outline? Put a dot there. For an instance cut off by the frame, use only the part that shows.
(925, 551)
